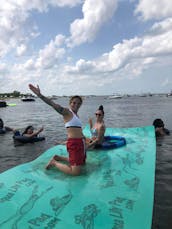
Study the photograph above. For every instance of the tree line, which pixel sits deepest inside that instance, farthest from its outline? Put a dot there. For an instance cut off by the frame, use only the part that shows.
(14, 94)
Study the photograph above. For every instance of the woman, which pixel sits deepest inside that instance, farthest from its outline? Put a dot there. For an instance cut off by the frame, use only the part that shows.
(75, 137)
(97, 130)
(29, 132)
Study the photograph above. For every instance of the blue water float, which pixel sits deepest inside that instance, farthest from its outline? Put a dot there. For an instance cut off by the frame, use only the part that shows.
(24, 139)
(112, 142)
(2, 130)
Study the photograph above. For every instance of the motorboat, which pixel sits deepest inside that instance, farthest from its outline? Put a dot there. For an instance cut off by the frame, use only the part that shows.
(27, 99)
(115, 96)
(3, 103)
(169, 94)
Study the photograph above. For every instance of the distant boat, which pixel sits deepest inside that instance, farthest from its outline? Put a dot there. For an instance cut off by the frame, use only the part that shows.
(54, 97)
(3, 103)
(142, 95)
(116, 96)
(169, 94)
(28, 99)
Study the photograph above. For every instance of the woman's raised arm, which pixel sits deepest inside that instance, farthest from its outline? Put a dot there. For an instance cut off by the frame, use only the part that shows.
(61, 110)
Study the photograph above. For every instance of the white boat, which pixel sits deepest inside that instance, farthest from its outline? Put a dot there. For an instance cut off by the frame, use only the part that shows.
(115, 96)
(27, 99)
(169, 94)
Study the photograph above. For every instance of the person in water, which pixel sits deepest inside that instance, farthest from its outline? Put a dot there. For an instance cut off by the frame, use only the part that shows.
(160, 129)
(75, 138)
(29, 132)
(4, 129)
(97, 130)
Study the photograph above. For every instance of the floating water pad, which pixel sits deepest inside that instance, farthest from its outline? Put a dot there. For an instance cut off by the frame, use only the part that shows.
(114, 191)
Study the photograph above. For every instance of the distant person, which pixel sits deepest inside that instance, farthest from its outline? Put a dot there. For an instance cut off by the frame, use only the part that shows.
(160, 129)
(29, 132)
(75, 138)
(4, 129)
(97, 130)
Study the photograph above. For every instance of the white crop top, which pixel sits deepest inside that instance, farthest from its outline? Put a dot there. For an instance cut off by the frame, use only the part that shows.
(74, 122)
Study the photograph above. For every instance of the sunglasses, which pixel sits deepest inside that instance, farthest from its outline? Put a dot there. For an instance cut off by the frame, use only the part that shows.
(98, 114)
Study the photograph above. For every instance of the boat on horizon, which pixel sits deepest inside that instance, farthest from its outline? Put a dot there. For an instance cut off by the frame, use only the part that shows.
(27, 99)
(115, 96)
(3, 103)
(169, 94)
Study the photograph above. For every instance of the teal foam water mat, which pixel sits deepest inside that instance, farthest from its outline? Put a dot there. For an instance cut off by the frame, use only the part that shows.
(115, 190)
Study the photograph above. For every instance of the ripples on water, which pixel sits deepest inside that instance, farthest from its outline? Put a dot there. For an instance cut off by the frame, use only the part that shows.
(125, 112)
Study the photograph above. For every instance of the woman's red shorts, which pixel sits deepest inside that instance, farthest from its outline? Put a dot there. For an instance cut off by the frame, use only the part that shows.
(76, 150)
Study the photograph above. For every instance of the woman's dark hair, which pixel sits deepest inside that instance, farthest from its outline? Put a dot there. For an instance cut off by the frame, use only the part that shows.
(158, 123)
(27, 128)
(101, 109)
(75, 97)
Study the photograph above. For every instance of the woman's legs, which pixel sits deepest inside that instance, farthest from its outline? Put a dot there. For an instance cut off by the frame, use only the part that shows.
(76, 150)
(71, 170)
(60, 158)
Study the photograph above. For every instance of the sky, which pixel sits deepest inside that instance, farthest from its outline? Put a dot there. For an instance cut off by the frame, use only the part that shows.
(91, 47)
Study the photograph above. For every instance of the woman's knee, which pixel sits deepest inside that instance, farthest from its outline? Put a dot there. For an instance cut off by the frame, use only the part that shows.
(76, 170)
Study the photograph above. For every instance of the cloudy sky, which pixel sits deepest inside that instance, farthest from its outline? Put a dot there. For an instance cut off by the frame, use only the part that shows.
(86, 46)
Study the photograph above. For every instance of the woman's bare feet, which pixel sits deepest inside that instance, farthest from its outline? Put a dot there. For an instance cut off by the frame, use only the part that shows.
(50, 163)
(56, 158)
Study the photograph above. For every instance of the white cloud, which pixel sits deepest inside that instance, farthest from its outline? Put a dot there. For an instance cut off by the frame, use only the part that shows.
(29, 65)
(153, 9)
(127, 59)
(81, 67)
(15, 27)
(161, 27)
(165, 82)
(50, 55)
(135, 55)
(95, 14)
(3, 66)
(59, 40)
(21, 50)
(62, 3)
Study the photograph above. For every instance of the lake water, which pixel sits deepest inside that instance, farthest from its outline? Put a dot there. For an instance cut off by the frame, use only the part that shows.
(126, 112)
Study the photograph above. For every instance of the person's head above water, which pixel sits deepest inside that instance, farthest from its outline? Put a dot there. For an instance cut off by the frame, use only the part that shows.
(158, 123)
(160, 129)
(28, 130)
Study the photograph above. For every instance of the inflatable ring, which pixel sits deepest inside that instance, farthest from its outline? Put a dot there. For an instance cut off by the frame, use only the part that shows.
(24, 139)
(2, 131)
(112, 142)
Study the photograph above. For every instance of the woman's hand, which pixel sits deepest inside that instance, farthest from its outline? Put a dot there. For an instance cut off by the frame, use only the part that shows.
(37, 132)
(160, 131)
(41, 129)
(35, 90)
